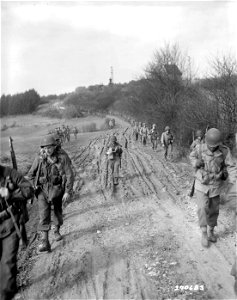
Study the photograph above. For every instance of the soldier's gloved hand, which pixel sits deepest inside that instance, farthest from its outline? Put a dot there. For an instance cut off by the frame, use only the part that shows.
(4, 192)
(199, 163)
(66, 197)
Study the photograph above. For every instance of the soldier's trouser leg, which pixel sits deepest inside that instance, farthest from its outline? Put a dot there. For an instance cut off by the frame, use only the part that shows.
(153, 144)
(116, 167)
(111, 165)
(44, 213)
(57, 215)
(166, 152)
(136, 135)
(208, 209)
(8, 266)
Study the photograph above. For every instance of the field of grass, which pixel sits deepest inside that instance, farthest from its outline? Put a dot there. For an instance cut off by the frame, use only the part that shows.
(28, 131)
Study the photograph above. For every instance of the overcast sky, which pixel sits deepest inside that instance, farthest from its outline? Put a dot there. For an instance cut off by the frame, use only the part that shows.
(55, 47)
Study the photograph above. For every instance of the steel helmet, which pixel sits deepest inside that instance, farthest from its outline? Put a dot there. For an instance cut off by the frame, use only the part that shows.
(167, 128)
(199, 133)
(154, 125)
(48, 140)
(213, 137)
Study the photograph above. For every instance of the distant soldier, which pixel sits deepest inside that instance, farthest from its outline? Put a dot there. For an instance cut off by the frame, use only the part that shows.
(154, 136)
(135, 131)
(14, 191)
(139, 128)
(114, 154)
(110, 124)
(68, 132)
(75, 132)
(198, 140)
(144, 133)
(59, 148)
(213, 164)
(167, 140)
(53, 179)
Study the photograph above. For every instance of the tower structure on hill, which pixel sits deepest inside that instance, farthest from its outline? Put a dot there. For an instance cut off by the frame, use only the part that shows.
(111, 79)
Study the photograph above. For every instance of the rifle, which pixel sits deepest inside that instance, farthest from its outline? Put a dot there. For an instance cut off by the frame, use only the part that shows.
(21, 232)
(12, 152)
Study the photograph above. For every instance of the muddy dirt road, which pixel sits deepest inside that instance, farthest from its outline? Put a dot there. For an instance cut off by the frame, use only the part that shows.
(137, 240)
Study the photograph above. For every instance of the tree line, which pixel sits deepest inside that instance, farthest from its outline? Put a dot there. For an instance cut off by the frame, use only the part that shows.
(18, 104)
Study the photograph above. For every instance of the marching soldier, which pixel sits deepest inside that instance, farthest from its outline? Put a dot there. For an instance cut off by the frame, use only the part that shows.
(135, 131)
(53, 179)
(167, 141)
(144, 133)
(14, 191)
(213, 163)
(154, 137)
(68, 133)
(75, 132)
(198, 140)
(114, 154)
(139, 129)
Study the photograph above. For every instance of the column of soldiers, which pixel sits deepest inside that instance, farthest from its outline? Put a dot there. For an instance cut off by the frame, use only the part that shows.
(65, 133)
(142, 133)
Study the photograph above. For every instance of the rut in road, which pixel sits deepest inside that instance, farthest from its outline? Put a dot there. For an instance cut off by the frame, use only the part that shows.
(132, 241)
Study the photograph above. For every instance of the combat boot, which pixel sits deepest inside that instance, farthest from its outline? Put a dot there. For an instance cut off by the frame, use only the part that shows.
(204, 240)
(57, 234)
(211, 236)
(44, 245)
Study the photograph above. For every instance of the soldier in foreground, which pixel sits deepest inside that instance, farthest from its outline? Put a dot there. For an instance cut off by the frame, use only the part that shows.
(167, 140)
(14, 190)
(114, 154)
(213, 164)
(52, 178)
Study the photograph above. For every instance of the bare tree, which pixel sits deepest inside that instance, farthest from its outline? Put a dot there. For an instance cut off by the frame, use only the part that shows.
(223, 87)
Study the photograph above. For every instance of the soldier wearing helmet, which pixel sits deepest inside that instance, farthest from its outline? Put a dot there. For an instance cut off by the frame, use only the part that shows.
(144, 133)
(167, 140)
(213, 164)
(135, 131)
(198, 139)
(52, 176)
(114, 153)
(154, 136)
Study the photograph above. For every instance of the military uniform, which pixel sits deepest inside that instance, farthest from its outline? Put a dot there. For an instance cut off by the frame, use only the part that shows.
(136, 131)
(19, 191)
(154, 137)
(209, 181)
(167, 141)
(55, 178)
(195, 143)
(114, 154)
(144, 133)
